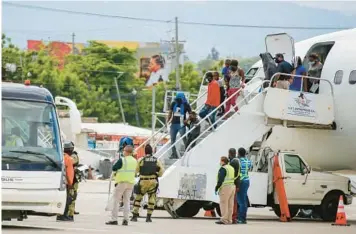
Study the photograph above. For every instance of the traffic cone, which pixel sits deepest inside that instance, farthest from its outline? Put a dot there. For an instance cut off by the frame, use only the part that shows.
(210, 213)
(341, 215)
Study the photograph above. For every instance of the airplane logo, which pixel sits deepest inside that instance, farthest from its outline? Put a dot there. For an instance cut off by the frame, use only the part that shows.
(302, 101)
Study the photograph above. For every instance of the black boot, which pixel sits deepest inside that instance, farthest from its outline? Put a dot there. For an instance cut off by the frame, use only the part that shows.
(125, 223)
(76, 212)
(134, 218)
(148, 218)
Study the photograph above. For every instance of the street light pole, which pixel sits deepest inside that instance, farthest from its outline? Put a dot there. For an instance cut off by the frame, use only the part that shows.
(119, 97)
(134, 93)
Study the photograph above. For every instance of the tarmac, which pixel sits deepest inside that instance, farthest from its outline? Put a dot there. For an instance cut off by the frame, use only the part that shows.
(92, 200)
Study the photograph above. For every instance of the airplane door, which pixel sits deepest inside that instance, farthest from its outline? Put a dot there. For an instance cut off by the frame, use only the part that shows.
(281, 43)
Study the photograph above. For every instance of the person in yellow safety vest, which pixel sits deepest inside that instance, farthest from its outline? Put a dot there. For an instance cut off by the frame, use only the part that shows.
(225, 187)
(125, 169)
(14, 140)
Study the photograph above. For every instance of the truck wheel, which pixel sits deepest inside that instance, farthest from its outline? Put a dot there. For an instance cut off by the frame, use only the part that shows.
(329, 206)
(188, 209)
(293, 211)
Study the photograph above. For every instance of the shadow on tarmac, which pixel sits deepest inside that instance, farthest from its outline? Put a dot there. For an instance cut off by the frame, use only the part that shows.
(23, 227)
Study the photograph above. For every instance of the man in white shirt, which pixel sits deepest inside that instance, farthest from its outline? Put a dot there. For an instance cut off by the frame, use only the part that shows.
(158, 73)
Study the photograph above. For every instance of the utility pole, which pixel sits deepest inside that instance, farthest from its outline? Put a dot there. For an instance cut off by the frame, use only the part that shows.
(177, 57)
(73, 43)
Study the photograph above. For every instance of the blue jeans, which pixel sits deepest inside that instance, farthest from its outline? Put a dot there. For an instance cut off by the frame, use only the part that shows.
(242, 199)
(205, 111)
(175, 128)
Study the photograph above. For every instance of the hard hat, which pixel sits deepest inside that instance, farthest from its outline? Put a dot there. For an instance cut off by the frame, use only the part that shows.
(68, 145)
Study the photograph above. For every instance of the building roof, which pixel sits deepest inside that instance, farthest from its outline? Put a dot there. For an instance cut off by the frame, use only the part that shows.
(116, 129)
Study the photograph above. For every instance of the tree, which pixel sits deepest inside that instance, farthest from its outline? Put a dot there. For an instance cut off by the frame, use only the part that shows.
(214, 54)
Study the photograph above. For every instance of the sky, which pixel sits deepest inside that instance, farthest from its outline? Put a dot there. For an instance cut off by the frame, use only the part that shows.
(22, 24)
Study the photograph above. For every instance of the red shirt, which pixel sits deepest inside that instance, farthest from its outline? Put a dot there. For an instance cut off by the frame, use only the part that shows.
(213, 94)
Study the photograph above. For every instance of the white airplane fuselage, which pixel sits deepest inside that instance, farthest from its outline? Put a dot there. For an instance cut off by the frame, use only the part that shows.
(327, 149)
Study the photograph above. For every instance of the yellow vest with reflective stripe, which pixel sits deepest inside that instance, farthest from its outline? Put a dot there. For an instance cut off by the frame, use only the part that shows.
(230, 175)
(11, 141)
(126, 174)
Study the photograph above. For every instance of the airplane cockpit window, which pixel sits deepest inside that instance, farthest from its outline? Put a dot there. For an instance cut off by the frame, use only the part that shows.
(338, 77)
(352, 78)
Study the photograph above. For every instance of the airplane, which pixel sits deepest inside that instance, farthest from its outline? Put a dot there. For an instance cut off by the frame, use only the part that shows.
(330, 150)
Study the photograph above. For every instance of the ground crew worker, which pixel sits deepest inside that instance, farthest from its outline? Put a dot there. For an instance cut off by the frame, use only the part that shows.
(125, 178)
(15, 139)
(68, 162)
(235, 163)
(76, 181)
(245, 165)
(149, 169)
(124, 141)
(225, 187)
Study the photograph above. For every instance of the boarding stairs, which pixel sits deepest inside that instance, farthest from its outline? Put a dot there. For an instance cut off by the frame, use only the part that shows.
(193, 175)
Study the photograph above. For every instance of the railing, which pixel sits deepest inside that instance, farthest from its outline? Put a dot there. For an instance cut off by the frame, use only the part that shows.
(207, 117)
(222, 117)
(161, 130)
(201, 121)
(302, 80)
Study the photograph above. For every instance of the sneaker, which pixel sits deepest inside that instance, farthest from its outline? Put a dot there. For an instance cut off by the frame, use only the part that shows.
(219, 222)
(111, 223)
(241, 222)
(76, 213)
(125, 223)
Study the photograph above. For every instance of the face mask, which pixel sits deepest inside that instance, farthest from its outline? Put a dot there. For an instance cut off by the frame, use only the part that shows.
(233, 68)
(276, 60)
(311, 63)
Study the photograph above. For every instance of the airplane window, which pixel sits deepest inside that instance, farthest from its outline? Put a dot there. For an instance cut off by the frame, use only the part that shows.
(352, 78)
(338, 77)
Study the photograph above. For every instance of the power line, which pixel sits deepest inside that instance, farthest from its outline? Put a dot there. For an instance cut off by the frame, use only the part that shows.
(84, 13)
(262, 26)
(168, 21)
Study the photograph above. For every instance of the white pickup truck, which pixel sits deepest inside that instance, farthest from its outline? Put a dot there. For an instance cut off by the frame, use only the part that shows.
(305, 187)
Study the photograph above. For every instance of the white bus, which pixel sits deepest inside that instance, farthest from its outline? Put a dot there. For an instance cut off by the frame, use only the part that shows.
(33, 171)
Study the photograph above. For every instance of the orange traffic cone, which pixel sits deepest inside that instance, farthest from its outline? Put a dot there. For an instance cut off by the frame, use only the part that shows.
(341, 215)
(210, 213)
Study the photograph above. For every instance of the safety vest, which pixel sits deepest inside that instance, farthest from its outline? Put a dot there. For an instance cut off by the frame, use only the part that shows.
(11, 141)
(244, 165)
(126, 174)
(148, 166)
(229, 178)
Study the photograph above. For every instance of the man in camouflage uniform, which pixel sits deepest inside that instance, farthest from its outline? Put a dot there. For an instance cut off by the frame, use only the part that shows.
(149, 169)
(68, 150)
(77, 180)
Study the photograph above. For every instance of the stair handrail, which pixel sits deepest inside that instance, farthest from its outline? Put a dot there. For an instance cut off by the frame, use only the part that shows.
(225, 114)
(166, 126)
(203, 119)
(307, 77)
